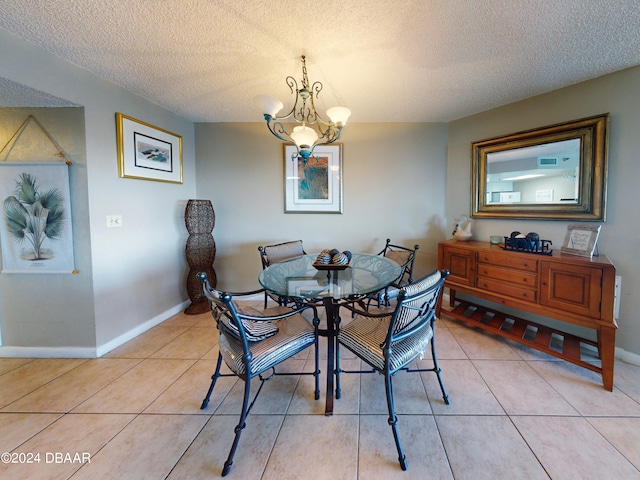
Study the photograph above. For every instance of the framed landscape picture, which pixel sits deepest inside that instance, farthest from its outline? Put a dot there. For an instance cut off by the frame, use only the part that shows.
(146, 152)
(314, 185)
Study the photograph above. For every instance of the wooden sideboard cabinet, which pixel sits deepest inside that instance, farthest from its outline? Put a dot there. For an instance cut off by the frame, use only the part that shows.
(573, 289)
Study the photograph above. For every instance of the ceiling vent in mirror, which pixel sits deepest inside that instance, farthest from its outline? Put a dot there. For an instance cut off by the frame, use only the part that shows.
(547, 161)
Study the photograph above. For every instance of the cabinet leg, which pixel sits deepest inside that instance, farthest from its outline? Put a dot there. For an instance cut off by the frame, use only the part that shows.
(607, 346)
(452, 297)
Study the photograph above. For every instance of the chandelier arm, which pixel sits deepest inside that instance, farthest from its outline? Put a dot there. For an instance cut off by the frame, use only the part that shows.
(292, 83)
(330, 135)
(316, 89)
(287, 115)
(304, 114)
(277, 129)
(329, 141)
(309, 115)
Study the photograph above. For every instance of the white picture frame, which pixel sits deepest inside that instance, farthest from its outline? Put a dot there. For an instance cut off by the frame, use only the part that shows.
(581, 240)
(314, 186)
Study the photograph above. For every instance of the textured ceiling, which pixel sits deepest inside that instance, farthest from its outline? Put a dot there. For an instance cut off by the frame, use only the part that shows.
(388, 61)
(14, 94)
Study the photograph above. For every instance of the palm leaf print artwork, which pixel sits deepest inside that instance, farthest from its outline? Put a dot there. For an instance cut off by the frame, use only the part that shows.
(32, 217)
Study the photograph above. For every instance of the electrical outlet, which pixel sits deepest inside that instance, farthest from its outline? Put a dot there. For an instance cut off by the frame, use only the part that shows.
(616, 297)
(114, 221)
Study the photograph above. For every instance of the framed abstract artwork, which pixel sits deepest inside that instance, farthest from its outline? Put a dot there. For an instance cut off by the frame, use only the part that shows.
(313, 185)
(146, 152)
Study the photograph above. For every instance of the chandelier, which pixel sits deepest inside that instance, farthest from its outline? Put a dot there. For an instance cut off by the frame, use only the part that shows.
(303, 136)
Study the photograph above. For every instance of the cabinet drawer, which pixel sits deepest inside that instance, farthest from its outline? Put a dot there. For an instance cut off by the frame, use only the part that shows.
(504, 288)
(506, 259)
(517, 277)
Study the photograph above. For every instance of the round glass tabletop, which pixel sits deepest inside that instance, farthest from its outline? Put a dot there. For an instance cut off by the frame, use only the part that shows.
(298, 277)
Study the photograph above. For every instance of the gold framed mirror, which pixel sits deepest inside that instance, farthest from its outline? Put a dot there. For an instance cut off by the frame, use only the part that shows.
(557, 172)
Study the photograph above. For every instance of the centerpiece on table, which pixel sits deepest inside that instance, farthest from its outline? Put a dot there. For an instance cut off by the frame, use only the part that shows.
(332, 259)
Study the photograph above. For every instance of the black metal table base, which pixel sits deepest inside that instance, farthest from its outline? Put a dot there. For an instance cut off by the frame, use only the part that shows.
(330, 310)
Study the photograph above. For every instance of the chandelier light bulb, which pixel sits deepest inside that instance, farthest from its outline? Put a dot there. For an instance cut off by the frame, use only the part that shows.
(268, 105)
(304, 137)
(339, 115)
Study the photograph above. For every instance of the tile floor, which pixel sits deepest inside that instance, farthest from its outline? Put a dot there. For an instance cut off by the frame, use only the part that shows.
(135, 414)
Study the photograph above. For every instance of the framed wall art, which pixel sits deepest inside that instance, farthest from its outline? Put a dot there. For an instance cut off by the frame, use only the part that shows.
(581, 240)
(314, 185)
(146, 152)
(36, 232)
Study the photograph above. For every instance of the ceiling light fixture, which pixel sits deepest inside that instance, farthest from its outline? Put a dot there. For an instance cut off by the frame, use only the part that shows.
(522, 177)
(303, 136)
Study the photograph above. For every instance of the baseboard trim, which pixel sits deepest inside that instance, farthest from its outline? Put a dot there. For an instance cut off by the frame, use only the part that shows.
(134, 332)
(627, 357)
(47, 352)
(89, 352)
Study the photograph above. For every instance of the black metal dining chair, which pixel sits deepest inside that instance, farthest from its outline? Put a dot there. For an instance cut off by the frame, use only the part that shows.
(390, 341)
(253, 342)
(403, 256)
(277, 253)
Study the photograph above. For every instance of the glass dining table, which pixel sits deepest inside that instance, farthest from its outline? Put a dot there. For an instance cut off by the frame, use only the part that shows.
(300, 280)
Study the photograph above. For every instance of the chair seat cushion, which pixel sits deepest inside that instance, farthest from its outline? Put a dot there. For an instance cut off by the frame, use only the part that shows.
(294, 335)
(365, 335)
(401, 258)
(253, 329)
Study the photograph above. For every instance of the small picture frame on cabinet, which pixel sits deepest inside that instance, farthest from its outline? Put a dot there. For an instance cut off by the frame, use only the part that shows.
(581, 240)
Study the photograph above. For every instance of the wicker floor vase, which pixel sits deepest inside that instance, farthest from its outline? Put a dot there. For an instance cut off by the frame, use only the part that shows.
(199, 218)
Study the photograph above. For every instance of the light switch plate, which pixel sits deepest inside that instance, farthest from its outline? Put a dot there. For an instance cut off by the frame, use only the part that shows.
(114, 221)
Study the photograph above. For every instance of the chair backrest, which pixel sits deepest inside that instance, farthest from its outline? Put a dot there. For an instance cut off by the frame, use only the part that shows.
(403, 256)
(280, 252)
(235, 321)
(417, 303)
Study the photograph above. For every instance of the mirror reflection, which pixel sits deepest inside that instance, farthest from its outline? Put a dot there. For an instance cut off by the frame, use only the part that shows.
(546, 173)
(557, 172)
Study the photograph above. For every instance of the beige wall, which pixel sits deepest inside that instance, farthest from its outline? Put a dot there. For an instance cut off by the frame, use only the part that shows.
(404, 181)
(394, 186)
(131, 277)
(618, 94)
(48, 322)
